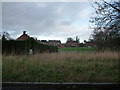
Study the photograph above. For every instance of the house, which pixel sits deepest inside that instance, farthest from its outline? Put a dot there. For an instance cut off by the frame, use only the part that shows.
(71, 44)
(51, 42)
(44, 42)
(89, 44)
(55, 42)
(24, 36)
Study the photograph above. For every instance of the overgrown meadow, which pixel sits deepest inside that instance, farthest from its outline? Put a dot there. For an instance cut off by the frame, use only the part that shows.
(61, 67)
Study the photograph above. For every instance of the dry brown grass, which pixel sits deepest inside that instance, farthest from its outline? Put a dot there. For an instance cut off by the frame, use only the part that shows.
(62, 67)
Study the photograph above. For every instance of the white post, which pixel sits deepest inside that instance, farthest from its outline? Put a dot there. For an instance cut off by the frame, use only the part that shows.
(30, 52)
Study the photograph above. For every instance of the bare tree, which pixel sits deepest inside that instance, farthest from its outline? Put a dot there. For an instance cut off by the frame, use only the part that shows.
(105, 21)
(5, 36)
(77, 39)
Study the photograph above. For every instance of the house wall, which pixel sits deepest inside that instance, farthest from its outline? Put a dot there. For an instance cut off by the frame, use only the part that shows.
(69, 44)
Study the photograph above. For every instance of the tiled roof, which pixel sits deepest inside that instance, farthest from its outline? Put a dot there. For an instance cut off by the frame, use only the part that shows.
(43, 40)
(54, 41)
(72, 42)
(23, 37)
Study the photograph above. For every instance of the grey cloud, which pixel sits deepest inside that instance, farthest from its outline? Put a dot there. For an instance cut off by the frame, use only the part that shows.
(39, 18)
(66, 23)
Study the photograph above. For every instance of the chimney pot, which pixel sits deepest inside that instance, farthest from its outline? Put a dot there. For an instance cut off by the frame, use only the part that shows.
(24, 32)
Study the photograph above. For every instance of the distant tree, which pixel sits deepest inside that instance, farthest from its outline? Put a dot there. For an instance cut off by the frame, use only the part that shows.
(77, 39)
(105, 21)
(85, 41)
(70, 39)
(5, 36)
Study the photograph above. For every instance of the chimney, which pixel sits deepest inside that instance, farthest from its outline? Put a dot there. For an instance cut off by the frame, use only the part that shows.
(24, 32)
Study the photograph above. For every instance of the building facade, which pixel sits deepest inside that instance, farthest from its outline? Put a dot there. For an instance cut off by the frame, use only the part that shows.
(71, 44)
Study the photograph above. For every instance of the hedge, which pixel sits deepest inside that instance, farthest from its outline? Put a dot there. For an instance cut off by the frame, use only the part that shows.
(23, 47)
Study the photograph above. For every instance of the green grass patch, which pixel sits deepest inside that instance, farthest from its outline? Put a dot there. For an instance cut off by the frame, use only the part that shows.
(81, 49)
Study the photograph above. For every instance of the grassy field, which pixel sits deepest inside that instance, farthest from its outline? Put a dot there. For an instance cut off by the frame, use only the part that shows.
(62, 67)
(81, 49)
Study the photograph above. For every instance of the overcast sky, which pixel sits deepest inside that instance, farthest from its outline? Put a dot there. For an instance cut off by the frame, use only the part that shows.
(48, 20)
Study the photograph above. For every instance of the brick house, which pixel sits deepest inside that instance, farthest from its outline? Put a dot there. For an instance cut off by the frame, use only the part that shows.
(89, 44)
(24, 36)
(71, 44)
(44, 42)
(51, 42)
(55, 42)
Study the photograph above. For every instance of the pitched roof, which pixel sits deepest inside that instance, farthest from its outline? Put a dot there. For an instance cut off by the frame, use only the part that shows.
(71, 42)
(24, 36)
(43, 41)
(55, 41)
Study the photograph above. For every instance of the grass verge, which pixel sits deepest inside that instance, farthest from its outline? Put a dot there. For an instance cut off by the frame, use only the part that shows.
(81, 49)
